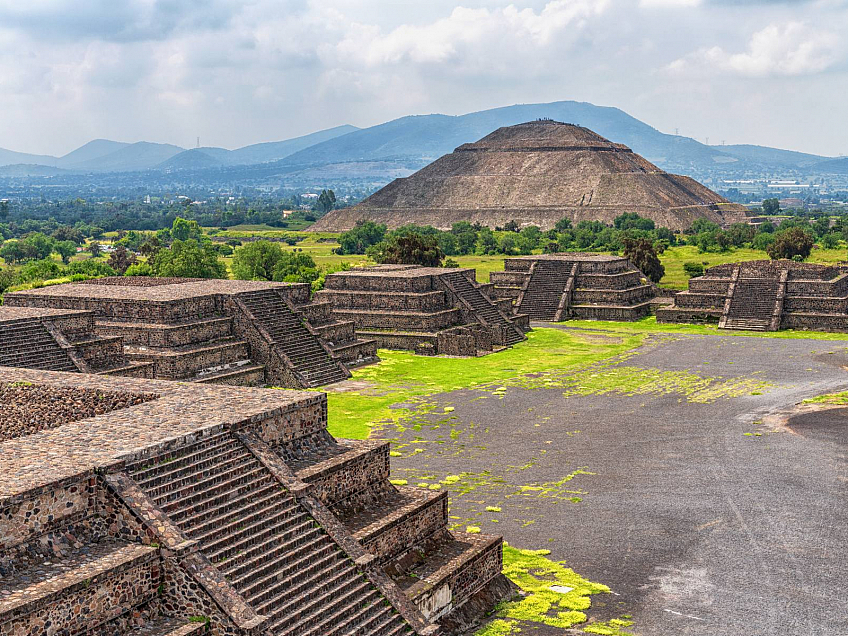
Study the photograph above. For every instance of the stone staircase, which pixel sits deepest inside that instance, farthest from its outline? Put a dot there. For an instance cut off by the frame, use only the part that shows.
(483, 307)
(308, 357)
(541, 298)
(163, 626)
(28, 343)
(267, 546)
(93, 585)
(753, 304)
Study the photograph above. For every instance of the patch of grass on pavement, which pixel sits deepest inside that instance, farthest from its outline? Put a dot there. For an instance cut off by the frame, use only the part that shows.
(402, 378)
(564, 608)
(650, 325)
(830, 398)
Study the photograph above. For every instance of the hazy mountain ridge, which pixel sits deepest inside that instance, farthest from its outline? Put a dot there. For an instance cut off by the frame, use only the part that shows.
(407, 144)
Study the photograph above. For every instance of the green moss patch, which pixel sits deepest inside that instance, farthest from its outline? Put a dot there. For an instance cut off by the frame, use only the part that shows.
(563, 607)
(398, 385)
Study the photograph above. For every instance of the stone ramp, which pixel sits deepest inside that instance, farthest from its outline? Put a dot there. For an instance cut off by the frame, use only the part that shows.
(28, 343)
(270, 548)
(309, 359)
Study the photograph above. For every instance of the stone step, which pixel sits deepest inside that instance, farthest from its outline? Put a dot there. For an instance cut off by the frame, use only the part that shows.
(236, 486)
(213, 464)
(293, 558)
(291, 593)
(167, 627)
(270, 549)
(309, 561)
(242, 373)
(186, 493)
(144, 469)
(286, 526)
(350, 592)
(246, 507)
(363, 609)
(74, 593)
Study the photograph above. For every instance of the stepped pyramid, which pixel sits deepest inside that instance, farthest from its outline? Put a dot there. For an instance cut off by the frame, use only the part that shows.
(151, 508)
(537, 173)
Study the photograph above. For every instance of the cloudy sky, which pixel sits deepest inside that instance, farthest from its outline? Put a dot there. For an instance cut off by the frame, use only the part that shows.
(236, 72)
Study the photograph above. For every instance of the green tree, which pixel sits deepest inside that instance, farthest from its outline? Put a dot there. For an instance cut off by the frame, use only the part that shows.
(641, 253)
(363, 235)
(326, 201)
(66, 249)
(771, 207)
(189, 259)
(184, 229)
(4, 209)
(632, 221)
(791, 243)
(256, 260)
(13, 251)
(39, 246)
(562, 225)
(94, 249)
(296, 267)
(409, 247)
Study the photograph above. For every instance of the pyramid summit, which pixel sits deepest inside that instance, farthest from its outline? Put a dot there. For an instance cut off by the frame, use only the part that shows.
(537, 173)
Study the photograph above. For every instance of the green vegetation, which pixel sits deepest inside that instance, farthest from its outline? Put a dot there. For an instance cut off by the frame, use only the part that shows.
(536, 574)
(404, 378)
(830, 398)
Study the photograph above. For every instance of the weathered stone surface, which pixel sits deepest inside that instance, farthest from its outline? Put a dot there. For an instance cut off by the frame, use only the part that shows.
(537, 173)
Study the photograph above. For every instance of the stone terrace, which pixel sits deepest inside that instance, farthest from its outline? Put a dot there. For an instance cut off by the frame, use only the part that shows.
(230, 504)
(62, 340)
(214, 331)
(765, 296)
(555, 287)
(424, 309)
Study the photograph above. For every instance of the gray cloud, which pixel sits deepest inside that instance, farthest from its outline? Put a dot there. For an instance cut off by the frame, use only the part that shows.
(237, 72)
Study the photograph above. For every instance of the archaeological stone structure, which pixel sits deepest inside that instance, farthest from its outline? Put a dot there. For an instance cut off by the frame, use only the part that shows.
(537, 173)
(144, 507)
(209, 331)
(556, 287)
(765, 296)
(423, 309)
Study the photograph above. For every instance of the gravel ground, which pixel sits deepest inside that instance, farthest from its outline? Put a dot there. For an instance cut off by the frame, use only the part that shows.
(701, 519)
(29, 408)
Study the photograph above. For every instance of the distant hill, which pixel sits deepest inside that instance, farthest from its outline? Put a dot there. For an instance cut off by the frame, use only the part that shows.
(10, 157)
(771, 156)
(274, 150)
(834, 166)
(90, 152)
(418, 140)
(29, 170)
(142, 155)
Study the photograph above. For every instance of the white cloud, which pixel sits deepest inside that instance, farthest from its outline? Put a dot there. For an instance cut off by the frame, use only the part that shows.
(792, 48)
(444, 39)
(669, 4)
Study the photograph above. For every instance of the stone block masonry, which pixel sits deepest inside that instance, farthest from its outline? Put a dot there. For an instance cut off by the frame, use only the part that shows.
(556, 287)
(427, 310)
(765, 296)
(210, 331)
(234, 506)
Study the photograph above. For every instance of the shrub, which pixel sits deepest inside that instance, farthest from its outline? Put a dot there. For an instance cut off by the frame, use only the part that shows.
(188, 259)
(139, 269)
(91, 268)
(693, 269)
(791, 243)
(642, 254)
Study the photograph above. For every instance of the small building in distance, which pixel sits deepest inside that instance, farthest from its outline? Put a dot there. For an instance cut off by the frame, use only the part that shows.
(218, 331)
(150, 508)
(765, 296)
(537, 173)
(429, 310)
(556, 287)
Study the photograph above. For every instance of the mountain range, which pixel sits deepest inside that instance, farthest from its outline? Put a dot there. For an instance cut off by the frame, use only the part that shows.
(403, 145)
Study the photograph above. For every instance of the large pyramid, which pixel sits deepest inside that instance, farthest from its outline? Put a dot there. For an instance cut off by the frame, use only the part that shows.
(537, 173)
